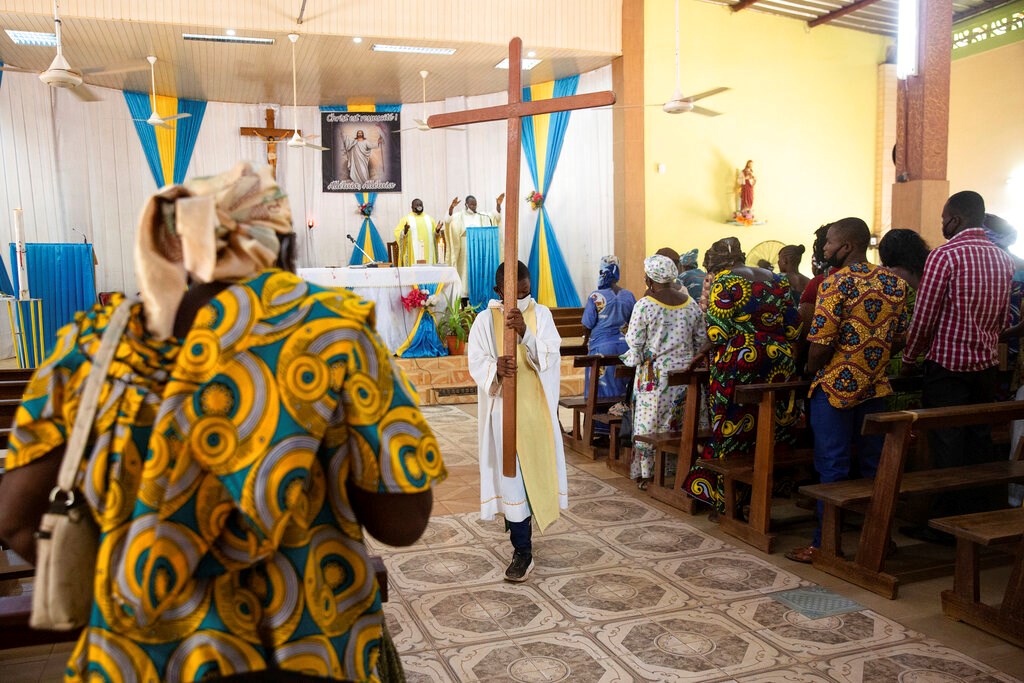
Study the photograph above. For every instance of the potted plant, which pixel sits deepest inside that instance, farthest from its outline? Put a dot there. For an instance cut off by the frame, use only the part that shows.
(453, 324)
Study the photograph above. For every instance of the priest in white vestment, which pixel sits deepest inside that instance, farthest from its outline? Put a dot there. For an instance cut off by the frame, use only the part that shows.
(539, 488)
(416, 237)
(473, 272)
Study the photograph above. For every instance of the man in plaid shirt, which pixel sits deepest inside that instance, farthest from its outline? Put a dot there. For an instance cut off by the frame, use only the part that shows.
(962, 305)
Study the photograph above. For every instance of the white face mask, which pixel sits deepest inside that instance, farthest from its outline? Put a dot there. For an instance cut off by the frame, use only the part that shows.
(521, 304)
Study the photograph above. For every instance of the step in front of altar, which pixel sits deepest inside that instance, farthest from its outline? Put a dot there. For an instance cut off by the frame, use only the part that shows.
(447, 379)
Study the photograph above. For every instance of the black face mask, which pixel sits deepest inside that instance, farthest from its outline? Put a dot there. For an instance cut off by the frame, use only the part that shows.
(836, 261)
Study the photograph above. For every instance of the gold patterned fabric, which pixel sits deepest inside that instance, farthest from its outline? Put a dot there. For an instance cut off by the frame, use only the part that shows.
(218, 476)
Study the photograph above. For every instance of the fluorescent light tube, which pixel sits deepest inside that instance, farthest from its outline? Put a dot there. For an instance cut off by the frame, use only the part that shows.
(33, 38)
(527, 64)
(412, 49)
(906, 39)
(227, 39)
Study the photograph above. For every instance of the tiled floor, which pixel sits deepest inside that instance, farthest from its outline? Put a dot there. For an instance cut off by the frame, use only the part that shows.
(626, 589)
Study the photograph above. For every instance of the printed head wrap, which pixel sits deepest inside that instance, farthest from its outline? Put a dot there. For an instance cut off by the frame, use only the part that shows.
(688, 260)
(224, 228)
(660, 269)
(723, 254)
(609, 272)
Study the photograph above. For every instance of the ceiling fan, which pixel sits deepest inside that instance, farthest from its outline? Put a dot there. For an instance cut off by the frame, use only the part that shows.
(680, 104)
(421, 124)
(154, 118)
(60, 73)
(297, 140)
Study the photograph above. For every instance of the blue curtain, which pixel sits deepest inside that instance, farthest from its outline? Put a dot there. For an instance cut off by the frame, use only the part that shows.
(64, 277)
(551, 259)
(377, 107)
(368, 238)
(5, 281)
(185, 135)
(483, 254)
(424, 341)
(140, 108)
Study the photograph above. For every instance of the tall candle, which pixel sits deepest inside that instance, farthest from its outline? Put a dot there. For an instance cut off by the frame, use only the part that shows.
(19, 239)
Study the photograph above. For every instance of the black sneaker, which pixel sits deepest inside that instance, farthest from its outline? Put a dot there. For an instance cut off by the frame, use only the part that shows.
(519, 568)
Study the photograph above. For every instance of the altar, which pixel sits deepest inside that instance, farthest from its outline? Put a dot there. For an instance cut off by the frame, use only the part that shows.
(385, 287)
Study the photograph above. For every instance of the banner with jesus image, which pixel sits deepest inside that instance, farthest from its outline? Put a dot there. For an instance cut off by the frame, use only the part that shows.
(365, 154)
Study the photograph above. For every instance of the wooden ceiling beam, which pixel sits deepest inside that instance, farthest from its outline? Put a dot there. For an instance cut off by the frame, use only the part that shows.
(742, 5)
(842, 11)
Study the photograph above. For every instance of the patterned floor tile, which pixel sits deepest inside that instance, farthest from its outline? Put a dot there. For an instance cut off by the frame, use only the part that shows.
(585, 486)
(794, 674)
(426, 667)
(437, 569)
(657, 540)
(613, 594)
(807, 638)
(725, 576)
(494, 529)
(816, 601)
(569, 656)
(616, 510)
(463, 617)
(404, 630)
(572, 552)
(916, 662)
(445, 532)
(459, 451)
(693, 645)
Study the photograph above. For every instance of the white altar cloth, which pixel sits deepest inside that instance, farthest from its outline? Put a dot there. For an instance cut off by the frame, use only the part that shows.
(386, 287)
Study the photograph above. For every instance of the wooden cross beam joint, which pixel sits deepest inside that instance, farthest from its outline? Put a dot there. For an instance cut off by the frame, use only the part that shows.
(514, 112)
(271, 135)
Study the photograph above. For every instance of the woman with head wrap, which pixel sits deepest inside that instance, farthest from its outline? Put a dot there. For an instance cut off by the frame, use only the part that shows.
(239, 446)
(606, 313)
(752, 324)
(690, 276)
(789, 265)
(665, 332)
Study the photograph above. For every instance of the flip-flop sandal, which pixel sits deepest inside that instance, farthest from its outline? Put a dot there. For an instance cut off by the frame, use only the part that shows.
(642, 484)
(803, 555)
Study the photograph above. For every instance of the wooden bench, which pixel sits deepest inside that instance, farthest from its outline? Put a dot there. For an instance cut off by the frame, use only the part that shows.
(15, 610)
(615, 452)
(584, 408)
(569, 323)
(681, 446)
(1000, 529)
(877, 498)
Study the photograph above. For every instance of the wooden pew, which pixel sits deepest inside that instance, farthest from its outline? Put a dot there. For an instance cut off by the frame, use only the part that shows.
(569, 323)
(878, 497)
(758, 470)
(584, 408)
(683, 445)
(1002, 529)
(618, 457)
(15, 610)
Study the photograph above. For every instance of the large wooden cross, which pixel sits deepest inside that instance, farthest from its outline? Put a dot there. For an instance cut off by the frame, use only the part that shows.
(271, 136)
(514, 111)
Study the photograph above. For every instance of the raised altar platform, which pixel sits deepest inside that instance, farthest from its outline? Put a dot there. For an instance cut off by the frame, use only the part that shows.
(447, 380)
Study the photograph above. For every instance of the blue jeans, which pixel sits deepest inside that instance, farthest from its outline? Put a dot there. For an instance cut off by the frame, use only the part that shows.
(837, 435)
(522, 535)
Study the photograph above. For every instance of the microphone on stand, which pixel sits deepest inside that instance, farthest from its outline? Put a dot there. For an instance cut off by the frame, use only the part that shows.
(373, 261)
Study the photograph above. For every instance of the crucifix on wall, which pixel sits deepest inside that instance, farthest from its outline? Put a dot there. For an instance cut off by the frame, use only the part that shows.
(514, 112)
(272, 136)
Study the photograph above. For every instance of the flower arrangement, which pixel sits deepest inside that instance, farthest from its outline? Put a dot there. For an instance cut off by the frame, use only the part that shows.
(455, 321)
(744, 217)
(416, 298)
(365, 209)
(536, 200)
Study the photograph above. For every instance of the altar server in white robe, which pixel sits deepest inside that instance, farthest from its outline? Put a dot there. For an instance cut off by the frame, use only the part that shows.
(455, 233)
(416, 235)
(539, 488)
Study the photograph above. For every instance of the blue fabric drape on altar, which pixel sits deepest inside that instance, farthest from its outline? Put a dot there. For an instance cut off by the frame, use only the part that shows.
(424, 340)
(551, 283)
(64, 277)
(483, 254)
(368, 239)
(5, 281)
(186, 134)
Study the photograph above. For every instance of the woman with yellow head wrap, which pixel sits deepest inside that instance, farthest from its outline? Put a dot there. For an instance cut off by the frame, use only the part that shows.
(235, 454)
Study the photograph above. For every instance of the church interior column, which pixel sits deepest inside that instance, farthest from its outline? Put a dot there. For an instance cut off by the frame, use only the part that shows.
(922, 111)
(628, 148)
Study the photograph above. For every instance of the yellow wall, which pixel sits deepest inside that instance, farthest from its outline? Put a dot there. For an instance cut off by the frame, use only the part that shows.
(986, 129)
(802, 106)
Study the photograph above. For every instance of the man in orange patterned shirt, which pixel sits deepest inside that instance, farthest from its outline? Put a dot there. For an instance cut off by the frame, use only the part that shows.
(860, 312)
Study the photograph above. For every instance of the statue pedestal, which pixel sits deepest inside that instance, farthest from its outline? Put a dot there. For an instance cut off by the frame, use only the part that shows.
(917, 205)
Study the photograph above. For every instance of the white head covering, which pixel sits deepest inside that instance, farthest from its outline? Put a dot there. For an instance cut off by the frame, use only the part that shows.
(660, 268)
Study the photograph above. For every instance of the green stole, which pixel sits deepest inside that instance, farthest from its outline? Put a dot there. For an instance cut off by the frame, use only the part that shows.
(535, 438)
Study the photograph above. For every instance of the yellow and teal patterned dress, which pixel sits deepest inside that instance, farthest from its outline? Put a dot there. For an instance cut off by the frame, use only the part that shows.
(217, 474)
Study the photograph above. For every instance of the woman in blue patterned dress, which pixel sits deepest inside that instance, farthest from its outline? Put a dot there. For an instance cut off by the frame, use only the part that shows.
(606, 315)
